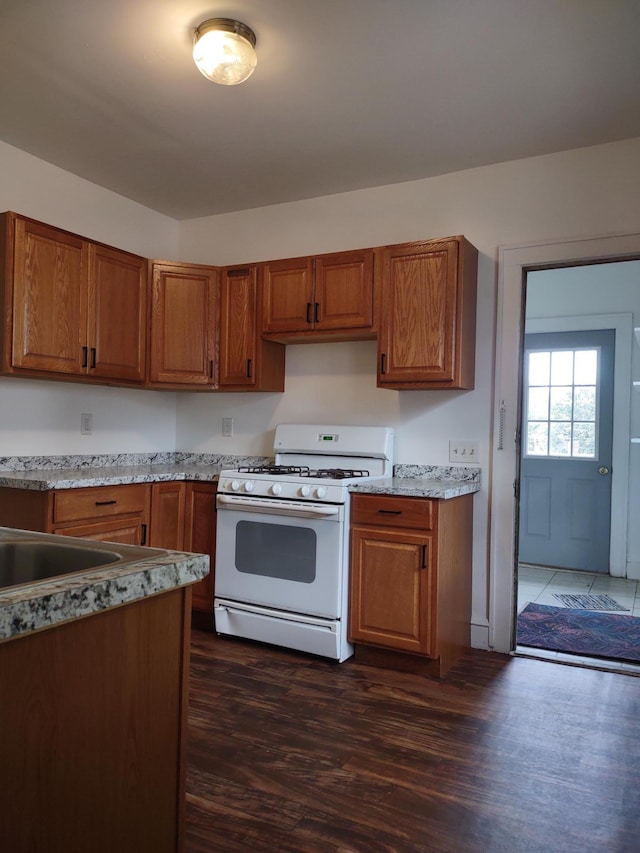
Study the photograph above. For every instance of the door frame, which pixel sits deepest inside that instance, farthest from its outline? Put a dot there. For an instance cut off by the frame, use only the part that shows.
(623, 326)
(513, 264)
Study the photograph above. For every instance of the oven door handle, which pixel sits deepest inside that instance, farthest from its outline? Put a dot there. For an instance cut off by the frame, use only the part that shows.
(276, 507)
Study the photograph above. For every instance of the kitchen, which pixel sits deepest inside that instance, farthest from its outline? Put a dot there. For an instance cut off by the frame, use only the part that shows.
(576, 192)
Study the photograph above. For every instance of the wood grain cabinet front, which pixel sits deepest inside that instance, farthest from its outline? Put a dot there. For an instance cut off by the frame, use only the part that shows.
(410, 577)
(109, 513)
(74, 309)
(326, 297)
(247, 361)
(200, 526)
(427, 328)
(184, 326)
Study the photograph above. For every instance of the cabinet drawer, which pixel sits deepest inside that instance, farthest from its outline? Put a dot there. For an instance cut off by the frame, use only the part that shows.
(101, 501)
(389, 511)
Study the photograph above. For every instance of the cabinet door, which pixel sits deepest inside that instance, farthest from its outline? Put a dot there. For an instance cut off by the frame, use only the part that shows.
(49, 299)
(344, 290)
(117, 314)
(200, 538)
(287, 288)
(126, 531)
(167, 516)
(183, 325)
(392, 601)
(238, 300)
(427, 324)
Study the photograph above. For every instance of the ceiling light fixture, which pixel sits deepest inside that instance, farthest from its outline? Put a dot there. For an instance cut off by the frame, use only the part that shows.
(224, 51)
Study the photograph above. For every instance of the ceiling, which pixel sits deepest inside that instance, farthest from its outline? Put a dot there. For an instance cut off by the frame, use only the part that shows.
(347, 93)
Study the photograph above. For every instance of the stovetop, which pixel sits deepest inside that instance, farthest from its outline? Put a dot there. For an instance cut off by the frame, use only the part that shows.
(305, 471)
(315, 463)
(300, 482)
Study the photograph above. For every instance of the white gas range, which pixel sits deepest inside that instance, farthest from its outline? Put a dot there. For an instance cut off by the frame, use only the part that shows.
(282, 551)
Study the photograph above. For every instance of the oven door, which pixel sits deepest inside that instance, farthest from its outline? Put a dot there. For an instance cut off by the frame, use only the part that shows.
(268, 556)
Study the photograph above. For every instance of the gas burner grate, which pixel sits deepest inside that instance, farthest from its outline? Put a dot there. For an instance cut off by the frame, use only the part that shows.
(299, 470)
(336, 473)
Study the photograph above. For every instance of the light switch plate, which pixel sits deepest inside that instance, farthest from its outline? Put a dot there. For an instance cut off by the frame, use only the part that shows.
(86, 423)
(227, 427)
(464, 451)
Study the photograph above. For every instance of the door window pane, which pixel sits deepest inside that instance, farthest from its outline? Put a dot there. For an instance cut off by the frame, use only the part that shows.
(538, 439)
(559, 439)
(561, 403)
(539, 368)
(538, 404)
(562, 367)
(584, 440)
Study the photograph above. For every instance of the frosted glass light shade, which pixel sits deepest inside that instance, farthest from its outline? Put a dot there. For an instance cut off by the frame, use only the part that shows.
(224, 51)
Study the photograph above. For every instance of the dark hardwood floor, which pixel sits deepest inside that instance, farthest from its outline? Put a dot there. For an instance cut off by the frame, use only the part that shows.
(292, 754)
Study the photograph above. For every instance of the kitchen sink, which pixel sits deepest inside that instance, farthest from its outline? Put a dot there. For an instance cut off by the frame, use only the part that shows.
(24, 562)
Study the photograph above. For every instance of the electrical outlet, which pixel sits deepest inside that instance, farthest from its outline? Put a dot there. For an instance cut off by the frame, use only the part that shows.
(86, 423)
(464, 451)
(227, 427)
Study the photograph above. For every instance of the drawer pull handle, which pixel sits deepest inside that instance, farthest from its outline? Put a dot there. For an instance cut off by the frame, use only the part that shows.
(390, 511)
(144, 534)
(85, 356)
(249, 368)
(309, 313)
(93, 356)
(424, 557)
(105, 503)
(383, 363)
(316, 308)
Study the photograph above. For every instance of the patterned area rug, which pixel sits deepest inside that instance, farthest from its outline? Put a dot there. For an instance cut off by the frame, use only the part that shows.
(582, 632)
(588, 602)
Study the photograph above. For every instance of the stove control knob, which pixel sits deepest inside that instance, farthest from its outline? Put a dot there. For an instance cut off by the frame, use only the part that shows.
(248, 486)
(321, 492)
(276, 489)
(235, 485)
(305, 491)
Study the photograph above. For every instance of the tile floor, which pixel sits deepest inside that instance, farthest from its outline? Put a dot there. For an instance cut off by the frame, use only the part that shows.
(538, 585)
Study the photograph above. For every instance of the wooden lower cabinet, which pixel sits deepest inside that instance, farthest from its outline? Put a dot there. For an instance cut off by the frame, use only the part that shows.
(167, 516)
(410, 584)
(93, 731)
(177, 516)
(200, 527)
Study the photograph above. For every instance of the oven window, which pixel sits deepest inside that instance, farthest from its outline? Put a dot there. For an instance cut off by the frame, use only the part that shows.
(276, 551)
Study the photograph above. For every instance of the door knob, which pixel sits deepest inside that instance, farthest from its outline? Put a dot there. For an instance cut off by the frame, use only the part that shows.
(603, 470)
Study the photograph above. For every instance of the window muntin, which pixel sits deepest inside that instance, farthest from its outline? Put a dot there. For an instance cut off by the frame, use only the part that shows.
(561, 403)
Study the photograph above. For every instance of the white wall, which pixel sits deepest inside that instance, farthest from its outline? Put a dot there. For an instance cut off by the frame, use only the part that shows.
(44, 417)
(596, 290)
(582, 192)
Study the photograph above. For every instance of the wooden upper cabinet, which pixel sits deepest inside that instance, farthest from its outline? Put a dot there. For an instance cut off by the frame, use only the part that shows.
(117, 314)
(426, 337)
(49, 300)
(246, 361)
(183, 347)
(72, 306)
(324, 297)
(344, 290)
(288, 295)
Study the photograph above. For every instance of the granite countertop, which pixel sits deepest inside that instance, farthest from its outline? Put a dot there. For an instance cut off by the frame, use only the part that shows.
(74, 472)
(418, 487)
(33, 606)
(118, 475)
(41, 473)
